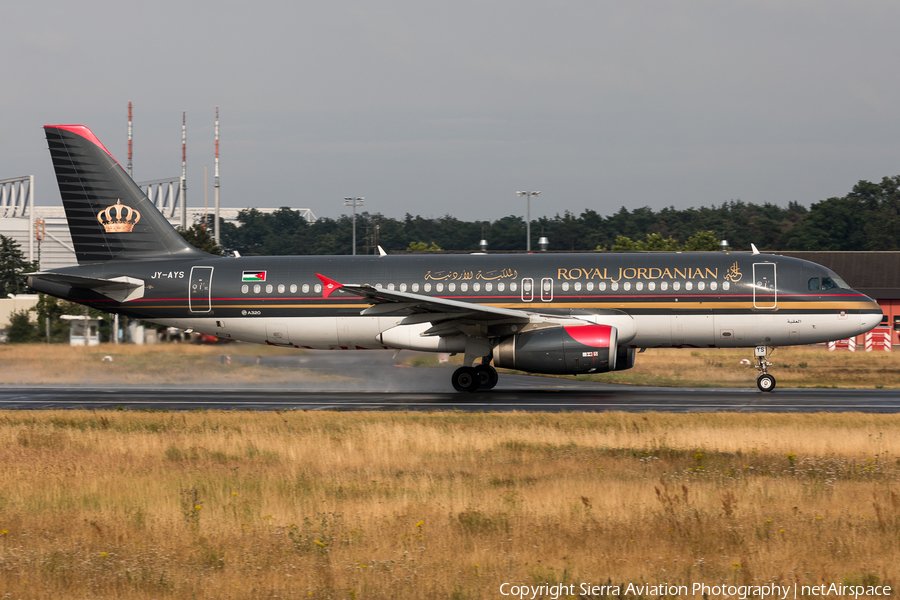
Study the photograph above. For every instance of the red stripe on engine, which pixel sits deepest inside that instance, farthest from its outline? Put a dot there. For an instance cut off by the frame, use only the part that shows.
(596, 336)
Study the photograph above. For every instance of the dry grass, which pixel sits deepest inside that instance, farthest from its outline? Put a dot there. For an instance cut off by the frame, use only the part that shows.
(439, 505)
(182, 364)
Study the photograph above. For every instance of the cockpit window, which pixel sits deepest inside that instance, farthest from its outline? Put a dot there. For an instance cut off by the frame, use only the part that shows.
(831, 283)
(813, 284)
(840, 283)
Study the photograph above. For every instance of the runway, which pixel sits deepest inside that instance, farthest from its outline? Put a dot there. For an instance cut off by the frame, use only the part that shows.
(515, 392)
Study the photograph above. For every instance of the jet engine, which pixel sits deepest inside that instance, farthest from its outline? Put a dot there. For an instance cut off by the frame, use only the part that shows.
(570, 350)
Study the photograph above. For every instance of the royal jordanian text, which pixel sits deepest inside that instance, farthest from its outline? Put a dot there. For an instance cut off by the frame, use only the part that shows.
(638, 273)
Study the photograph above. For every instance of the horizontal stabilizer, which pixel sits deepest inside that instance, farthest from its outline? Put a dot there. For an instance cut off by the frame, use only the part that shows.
(120, 289)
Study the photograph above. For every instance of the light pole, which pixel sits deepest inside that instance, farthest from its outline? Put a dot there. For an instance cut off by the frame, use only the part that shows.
(354, 202)
(528, 217)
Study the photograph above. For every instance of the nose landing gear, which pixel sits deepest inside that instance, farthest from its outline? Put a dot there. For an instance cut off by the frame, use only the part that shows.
(765, 382)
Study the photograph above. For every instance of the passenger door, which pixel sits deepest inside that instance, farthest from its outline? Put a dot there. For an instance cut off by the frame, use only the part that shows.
(765, 292)
(200, 289)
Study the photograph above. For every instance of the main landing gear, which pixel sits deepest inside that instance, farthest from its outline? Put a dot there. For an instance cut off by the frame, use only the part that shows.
(765, 382)
(479, 377)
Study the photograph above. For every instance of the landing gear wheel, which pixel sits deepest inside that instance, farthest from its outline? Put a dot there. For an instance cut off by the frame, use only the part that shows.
(765, 383)
(487, 376)
(465, 379)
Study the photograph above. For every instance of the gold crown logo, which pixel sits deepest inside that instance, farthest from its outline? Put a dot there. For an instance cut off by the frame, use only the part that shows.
(118, 218)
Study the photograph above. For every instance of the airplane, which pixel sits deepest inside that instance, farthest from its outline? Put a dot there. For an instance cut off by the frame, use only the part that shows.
(540, 313)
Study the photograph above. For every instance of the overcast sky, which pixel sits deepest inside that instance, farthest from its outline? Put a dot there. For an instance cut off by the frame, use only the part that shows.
(451, 107)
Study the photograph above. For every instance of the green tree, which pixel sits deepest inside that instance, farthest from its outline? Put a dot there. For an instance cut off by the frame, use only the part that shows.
(12, 267)
(198, 237)
(423, 247)
(54, 308)
(702, 241)
(21, 329)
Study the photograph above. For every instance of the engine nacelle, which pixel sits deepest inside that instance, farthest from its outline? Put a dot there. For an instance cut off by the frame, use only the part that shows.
(624, 358)
(567, 350)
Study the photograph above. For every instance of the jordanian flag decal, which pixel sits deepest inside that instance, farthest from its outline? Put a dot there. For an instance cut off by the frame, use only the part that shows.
(254, 276)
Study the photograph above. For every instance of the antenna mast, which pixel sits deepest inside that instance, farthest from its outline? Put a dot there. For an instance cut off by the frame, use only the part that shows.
(130, 173)
(216, 223)
(183, 170)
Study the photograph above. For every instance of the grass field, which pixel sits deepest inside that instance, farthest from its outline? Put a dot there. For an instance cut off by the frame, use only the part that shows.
(439, 505)
(186, 364)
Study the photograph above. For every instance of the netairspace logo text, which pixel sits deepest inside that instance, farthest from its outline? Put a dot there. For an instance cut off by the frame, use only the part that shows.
(741, 592)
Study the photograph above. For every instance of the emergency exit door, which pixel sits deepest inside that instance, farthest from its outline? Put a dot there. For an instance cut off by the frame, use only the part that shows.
(200, 292)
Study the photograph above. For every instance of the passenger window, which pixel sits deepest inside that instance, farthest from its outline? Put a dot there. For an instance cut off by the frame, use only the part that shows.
(601, 286)
(651, 286)
(500, 286)
(415, 287)
(427, 287)
(565, 286)
(245, 288)
(305, 288)
(318, 288)
(293, 288)
(476, 287)
(627, 285)
(280, 288)
(726, 285)
(590, 286)
(813, 284)
(701, 285)
(676, 286)
(513, 286)
(464, 287)
(614, 286)
(451, 287)
(639, 286)
(440, 287)
(688, 286)
(664, 285)
(269, 289)
(256, 288)
(713, 285)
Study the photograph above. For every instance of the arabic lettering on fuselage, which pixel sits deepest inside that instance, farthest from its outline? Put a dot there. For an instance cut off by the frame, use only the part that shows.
(492, 275)
(619, 273)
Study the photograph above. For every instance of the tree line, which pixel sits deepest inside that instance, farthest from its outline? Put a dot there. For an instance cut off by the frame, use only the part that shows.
(868, 218)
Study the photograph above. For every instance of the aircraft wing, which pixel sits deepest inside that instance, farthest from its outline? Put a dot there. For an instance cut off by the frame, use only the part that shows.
(120, 289)
(423, 308)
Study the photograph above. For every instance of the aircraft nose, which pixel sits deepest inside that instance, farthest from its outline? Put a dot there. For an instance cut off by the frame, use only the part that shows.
(869, 320)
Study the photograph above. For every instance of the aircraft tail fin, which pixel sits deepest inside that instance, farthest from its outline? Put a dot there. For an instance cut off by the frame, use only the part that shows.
(109, 216)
